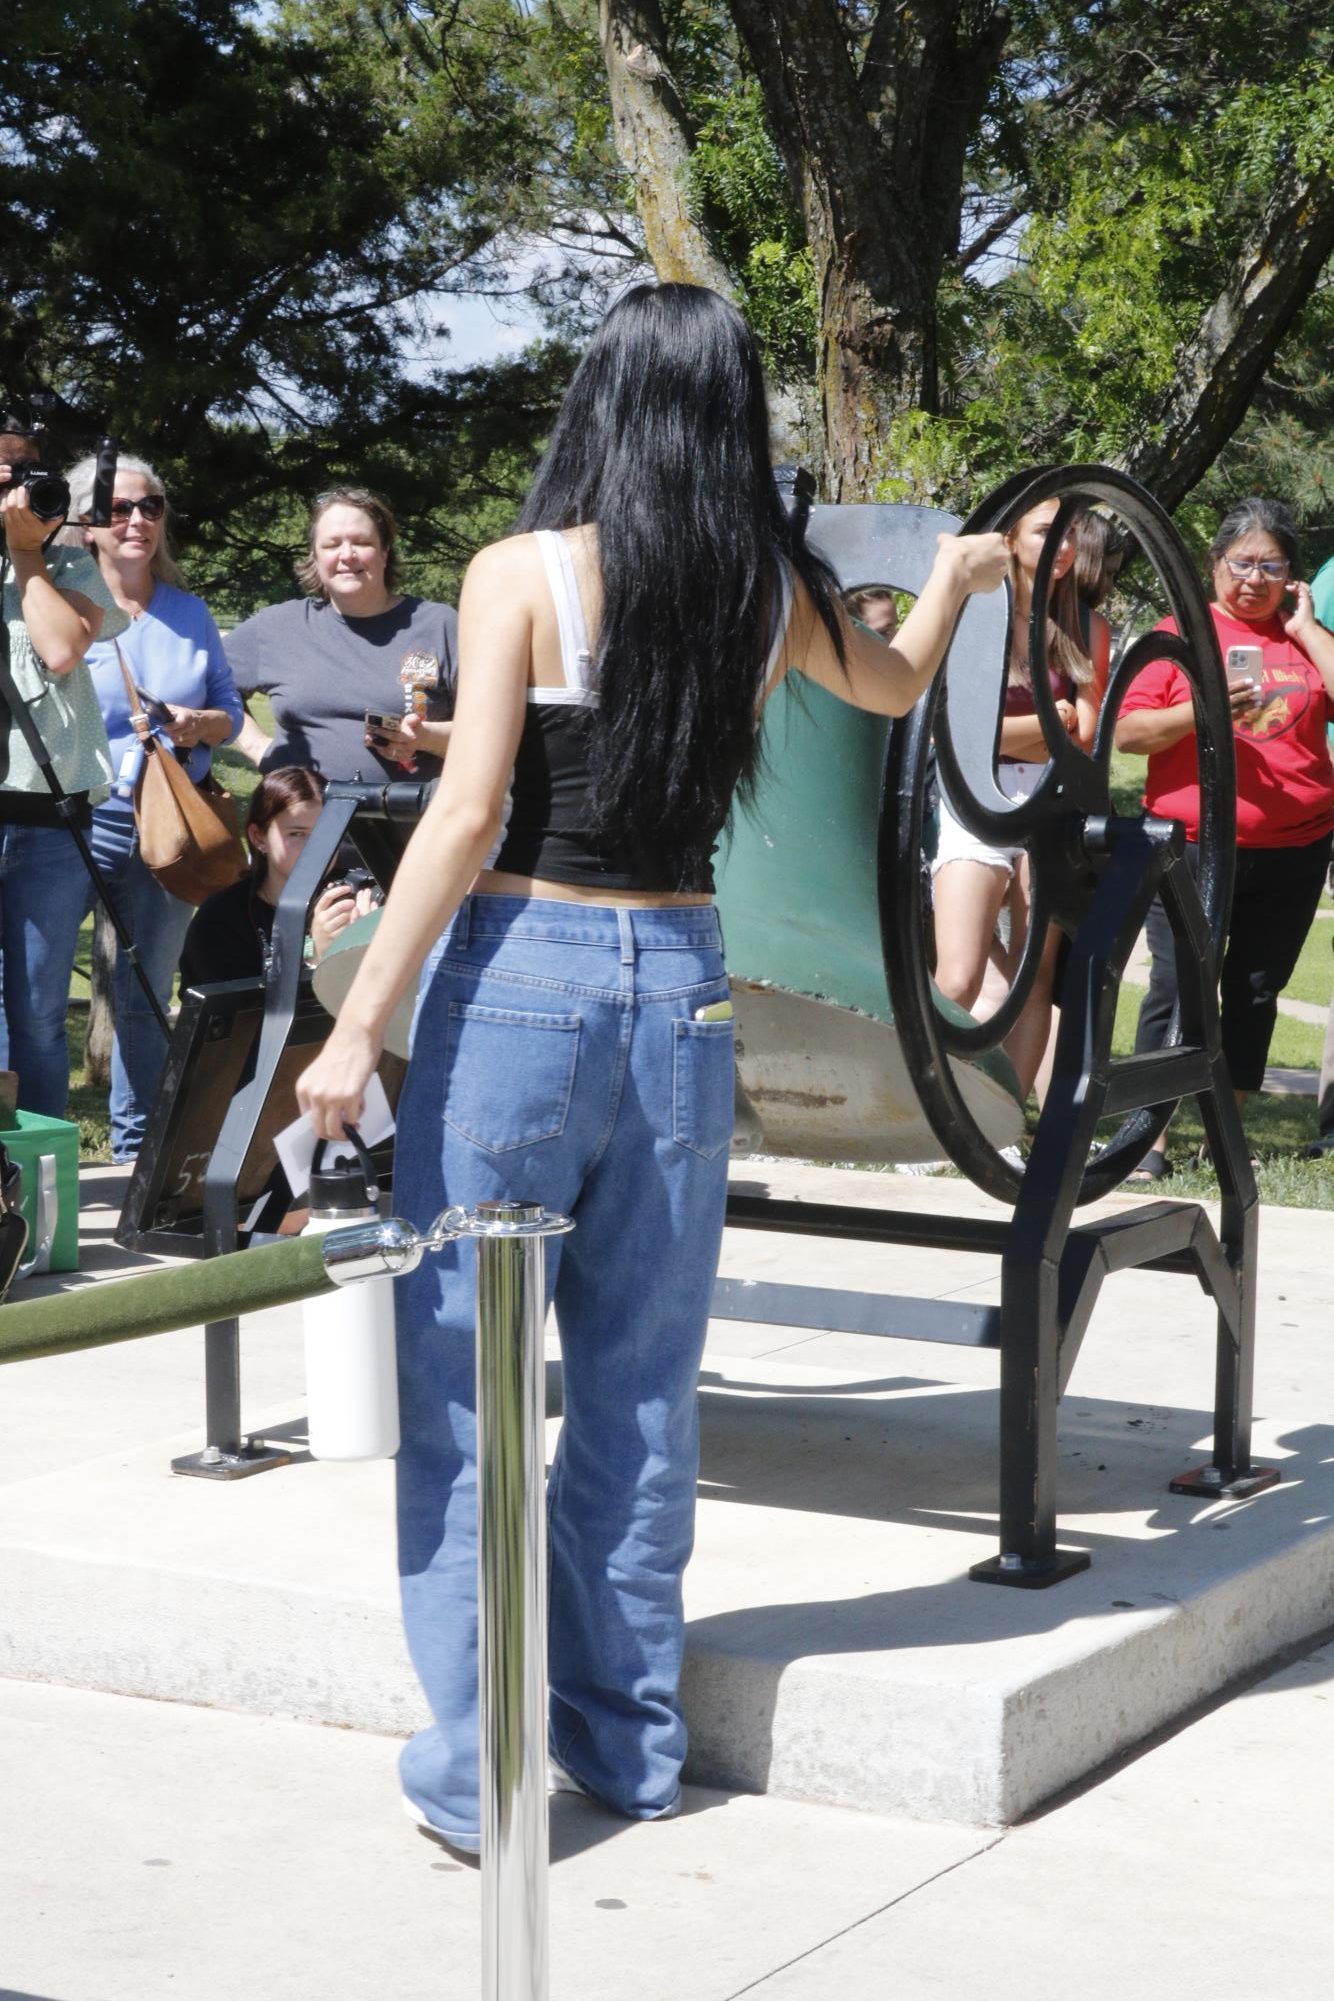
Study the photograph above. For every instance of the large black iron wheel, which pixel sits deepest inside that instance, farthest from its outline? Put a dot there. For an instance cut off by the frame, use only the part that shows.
(962, 714)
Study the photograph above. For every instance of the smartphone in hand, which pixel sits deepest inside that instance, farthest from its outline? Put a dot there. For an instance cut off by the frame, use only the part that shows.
(157, 712)
(1244, 668)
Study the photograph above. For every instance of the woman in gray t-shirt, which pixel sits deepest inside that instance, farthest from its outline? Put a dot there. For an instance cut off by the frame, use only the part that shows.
(353, 647)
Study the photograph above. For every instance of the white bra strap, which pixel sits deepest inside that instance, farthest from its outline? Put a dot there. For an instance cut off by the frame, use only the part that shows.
(575, 658)
(782, 619)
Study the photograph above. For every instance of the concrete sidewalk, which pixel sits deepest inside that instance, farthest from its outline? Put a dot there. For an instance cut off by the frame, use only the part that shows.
(152, 1852)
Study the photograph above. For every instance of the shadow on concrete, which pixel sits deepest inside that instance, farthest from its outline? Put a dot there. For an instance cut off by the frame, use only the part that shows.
(925, 1453)
(579, 1824)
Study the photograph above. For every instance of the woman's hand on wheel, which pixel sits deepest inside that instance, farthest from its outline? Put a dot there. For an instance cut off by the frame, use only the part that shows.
(332, 1091)
(982, 561)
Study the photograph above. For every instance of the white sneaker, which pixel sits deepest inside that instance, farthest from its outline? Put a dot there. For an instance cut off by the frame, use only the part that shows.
(464, 1847)
(560, 1781)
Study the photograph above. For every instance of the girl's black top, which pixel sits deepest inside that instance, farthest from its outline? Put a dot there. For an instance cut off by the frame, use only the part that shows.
(228, 937)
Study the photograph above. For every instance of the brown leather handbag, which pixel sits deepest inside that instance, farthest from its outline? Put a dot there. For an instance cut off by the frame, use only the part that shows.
(189, 835)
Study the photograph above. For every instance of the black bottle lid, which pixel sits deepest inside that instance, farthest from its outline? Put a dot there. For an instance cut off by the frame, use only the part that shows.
(344, 1187)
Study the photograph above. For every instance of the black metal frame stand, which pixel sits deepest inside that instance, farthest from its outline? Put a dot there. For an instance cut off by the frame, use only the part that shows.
(1096, 876)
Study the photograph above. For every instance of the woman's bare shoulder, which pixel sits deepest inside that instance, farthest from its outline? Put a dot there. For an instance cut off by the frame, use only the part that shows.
(508, 564)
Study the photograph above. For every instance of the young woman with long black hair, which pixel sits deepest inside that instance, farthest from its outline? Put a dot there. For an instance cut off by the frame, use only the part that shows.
(569, 1046)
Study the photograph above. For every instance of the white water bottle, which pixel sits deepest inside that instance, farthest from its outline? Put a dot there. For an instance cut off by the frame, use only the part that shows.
(351, 1367)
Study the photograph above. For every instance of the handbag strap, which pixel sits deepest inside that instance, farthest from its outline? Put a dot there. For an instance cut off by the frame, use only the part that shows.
(138, 720)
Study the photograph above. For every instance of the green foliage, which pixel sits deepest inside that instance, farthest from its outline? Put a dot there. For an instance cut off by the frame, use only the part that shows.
(232, 235)
(736, 170)
(234, 231)
(1140, 176)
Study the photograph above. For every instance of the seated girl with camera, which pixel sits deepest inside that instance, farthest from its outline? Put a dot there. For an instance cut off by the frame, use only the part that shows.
(229, 936)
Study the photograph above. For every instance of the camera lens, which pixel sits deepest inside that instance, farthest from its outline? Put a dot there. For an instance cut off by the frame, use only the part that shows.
(48, 493)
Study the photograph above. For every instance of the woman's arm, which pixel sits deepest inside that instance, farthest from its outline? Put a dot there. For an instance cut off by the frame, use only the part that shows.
(251, 741)
(1145, 731)
(1316, 642)
(454, 834)
(1089, 696)
(192, 726)
(1021, 736)
(62, 625)
(411, 734)
(888, 676)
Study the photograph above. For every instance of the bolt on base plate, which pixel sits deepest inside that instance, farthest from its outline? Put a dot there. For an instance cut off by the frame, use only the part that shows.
(1215, 1483)
(1023, 1574)
(255, 1456)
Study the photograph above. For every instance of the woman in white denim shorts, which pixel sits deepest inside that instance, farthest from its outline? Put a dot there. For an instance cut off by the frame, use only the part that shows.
(972, 880)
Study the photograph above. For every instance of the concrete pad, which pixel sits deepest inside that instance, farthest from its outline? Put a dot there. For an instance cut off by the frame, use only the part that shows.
(854, 1660)
(1201, 1868)
(163, 1851)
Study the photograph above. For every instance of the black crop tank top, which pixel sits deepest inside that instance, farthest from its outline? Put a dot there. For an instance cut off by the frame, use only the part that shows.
(547, 833)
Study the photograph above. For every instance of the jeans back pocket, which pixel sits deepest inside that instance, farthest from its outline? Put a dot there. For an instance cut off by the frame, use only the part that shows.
(703, 1085)
(510, 1074)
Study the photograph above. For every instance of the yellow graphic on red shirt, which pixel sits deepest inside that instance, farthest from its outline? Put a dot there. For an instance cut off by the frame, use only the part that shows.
(1285, 696)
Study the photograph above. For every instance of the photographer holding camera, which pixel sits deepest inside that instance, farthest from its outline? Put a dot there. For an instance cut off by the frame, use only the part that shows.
(54, 605)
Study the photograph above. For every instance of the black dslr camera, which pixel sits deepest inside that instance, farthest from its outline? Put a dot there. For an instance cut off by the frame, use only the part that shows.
(48, 492)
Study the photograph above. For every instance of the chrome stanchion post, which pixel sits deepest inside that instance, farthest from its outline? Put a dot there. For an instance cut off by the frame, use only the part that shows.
(512, 1584)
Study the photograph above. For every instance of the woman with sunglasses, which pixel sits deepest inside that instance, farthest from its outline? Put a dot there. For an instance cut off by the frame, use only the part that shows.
(174, 655)
(1280, 665)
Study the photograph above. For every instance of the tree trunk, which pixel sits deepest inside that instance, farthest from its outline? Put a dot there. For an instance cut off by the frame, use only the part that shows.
(654, 139)
(876, 164)
(1222, 364)
(101, 1018)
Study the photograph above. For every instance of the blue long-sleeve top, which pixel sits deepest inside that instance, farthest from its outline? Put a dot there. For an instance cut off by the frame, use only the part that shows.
(174, 651)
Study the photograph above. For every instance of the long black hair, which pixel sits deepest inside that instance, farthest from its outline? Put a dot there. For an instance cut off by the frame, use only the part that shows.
(662, 442)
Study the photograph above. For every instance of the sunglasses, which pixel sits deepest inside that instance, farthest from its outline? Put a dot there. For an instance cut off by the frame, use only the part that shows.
(152, 507)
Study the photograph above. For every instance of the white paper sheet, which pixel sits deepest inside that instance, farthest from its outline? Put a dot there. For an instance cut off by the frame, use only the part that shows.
(295, 1144)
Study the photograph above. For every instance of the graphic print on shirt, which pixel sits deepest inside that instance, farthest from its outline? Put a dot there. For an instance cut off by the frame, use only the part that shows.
(1285, 693)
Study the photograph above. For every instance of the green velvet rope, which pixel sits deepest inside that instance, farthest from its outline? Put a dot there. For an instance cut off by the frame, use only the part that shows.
(158, 1302)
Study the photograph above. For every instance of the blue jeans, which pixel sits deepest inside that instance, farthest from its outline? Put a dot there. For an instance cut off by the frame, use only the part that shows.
(45, 894)
(557, 1058)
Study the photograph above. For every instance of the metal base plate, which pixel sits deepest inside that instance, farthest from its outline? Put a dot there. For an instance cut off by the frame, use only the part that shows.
(255, 1456)
(1213, 1483)
(1025, 1575)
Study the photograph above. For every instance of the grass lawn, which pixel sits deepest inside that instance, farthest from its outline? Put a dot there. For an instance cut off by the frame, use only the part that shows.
(1278, 1127)
(1312, 974)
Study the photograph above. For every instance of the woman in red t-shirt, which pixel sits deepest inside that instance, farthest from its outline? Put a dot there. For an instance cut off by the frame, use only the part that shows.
(1282, 698)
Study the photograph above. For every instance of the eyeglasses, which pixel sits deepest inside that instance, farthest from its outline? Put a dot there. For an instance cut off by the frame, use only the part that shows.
(1244, 566)
(152, 507)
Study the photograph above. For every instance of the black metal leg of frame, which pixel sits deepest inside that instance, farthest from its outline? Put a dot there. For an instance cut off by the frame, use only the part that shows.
(227, 1455)
(1230, 1474)
(1030, 1354)
(1031, 1327)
